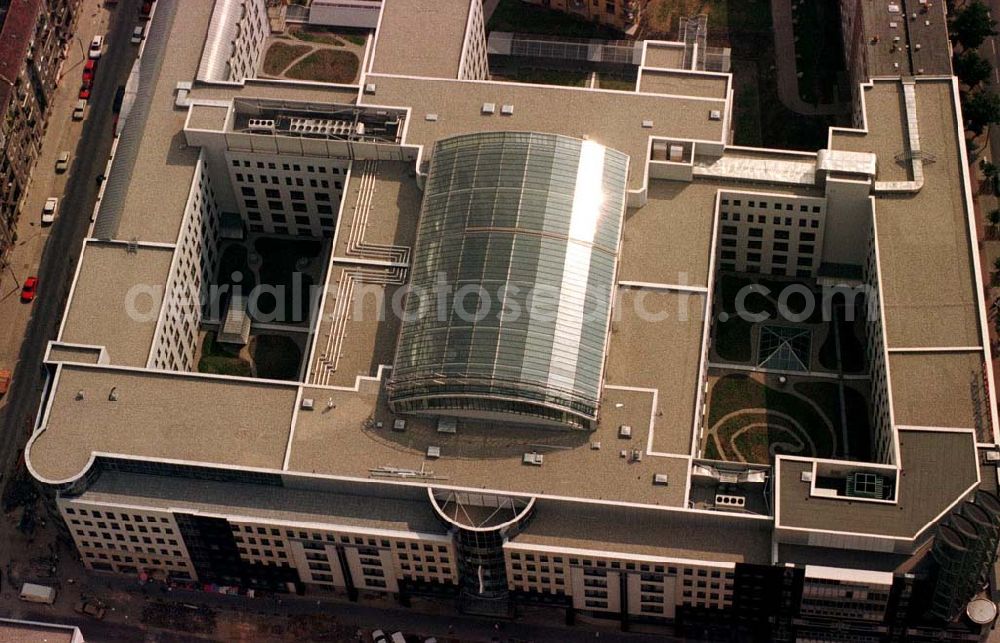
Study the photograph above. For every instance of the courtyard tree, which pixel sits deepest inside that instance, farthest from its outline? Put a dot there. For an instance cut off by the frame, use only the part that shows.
(972, 25)
(981, 109)
(971, 68)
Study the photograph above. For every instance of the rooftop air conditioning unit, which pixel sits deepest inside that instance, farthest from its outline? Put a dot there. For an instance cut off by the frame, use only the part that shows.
(661, 479)
(507, 110)
(647, 124)
(370, 88)
(489, 108)
(725, 500)
(715, 115)
(399, 424)
(261, 125)
(433, 452)
(307, 403)
(807, 476)
(431, 117)
(534, 459)
(625, 431)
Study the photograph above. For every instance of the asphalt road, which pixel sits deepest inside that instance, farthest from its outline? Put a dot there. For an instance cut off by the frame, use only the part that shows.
(58, 262)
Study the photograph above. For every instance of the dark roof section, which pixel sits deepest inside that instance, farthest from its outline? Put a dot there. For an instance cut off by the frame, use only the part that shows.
(120, 176)
(937, 469)
(15, 34)
(532, 219)
(637, 531)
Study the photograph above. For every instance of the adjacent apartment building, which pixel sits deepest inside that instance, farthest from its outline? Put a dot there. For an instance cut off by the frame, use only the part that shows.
(33, 37)
(622, 15)
(560, 450)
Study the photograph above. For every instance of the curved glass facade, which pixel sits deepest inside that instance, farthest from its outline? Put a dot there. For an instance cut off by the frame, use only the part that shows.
(513, 279)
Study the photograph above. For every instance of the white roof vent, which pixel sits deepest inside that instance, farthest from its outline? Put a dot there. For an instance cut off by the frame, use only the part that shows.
(399, 424)
(661, 479)
(807, 476)
(534, 458)
(489, 108)
(625, 431)
(715, 115)
(993, 456)
(447, 425)
(307, 403)
(431, 117)
(595, 446)
(370, 88)
(433, 452)
(647, 124)
(507, 110)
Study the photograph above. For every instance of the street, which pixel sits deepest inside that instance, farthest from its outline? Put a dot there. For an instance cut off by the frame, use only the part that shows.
(27, 328)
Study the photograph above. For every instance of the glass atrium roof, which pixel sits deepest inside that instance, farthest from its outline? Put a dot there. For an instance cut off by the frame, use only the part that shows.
(513, 277)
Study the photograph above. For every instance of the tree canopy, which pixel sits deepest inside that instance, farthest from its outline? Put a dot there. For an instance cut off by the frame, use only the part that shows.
(980, 109)
(971, 68)
(972, 24)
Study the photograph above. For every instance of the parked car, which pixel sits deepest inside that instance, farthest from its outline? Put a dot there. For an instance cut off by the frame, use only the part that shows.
(32, 592)
(85, 91)
(89, 71)
(79, 110)
(96, 47)
(90, 608)
(62, 162)
(29, 290)
(5, 378)
(146, 10)
(49, 209)
(137, 34)
(378, 636)
(397, 637)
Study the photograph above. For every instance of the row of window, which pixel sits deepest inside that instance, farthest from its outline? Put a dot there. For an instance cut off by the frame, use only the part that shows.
(776, 205)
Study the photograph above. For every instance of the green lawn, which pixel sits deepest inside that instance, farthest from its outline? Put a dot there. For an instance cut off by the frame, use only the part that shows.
(280, 55)
(544, 77)
(737, 392)
(612, 81)
(516, 16)
(221, 360)
(326, 66)
(276, 357)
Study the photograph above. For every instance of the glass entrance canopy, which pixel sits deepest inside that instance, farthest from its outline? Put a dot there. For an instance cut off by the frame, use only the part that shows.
(513, 279)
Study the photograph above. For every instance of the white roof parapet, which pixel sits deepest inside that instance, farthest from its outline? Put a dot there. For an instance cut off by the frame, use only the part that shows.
(848, 162)
(765, 170)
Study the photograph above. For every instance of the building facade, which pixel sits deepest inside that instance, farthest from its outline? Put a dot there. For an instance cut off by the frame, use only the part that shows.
(33, 38)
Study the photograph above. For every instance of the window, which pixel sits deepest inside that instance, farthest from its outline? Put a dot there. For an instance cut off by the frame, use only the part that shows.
(729, 229)
(781, 234)
(271, 193)
(297, 195)
(248, 191)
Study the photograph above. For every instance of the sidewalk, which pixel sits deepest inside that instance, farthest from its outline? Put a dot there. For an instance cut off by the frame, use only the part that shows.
(62, 134)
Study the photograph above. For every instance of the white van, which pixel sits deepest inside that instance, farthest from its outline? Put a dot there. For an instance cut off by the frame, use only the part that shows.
(79, 110)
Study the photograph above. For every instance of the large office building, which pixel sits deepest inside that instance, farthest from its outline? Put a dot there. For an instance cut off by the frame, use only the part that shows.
(557, 445)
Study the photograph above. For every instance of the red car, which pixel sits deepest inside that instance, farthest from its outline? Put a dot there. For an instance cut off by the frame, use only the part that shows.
(85, 91)
(89, 71)
(147, 8)
(29, 290)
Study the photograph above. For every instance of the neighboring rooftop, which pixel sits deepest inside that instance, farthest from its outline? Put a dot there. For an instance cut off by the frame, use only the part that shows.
(457, 107)
(139, 414)
(18, 631)
(421, 39)
(923, 491)
(116, 300)
(285, 504)
(923, 47)
(644, 532)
